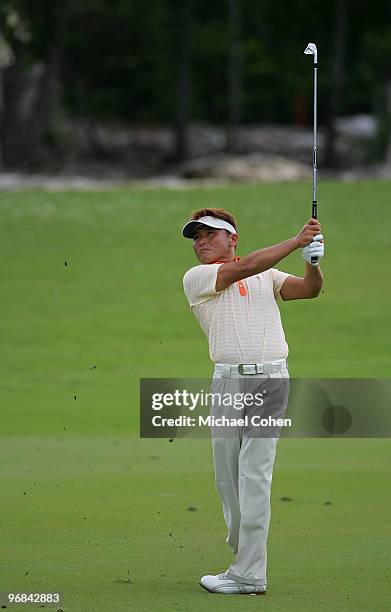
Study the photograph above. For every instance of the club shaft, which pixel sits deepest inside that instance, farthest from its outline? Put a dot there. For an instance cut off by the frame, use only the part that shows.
(314, 159)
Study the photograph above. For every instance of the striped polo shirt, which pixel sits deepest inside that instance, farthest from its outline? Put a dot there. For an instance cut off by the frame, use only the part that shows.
(240, 329)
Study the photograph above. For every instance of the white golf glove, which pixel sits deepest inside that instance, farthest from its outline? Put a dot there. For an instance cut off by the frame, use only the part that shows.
(314, 249)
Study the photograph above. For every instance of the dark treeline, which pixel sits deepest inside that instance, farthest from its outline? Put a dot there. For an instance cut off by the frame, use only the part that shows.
(227, 62)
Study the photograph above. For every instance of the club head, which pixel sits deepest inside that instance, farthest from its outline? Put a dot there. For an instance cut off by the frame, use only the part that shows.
(312, 50)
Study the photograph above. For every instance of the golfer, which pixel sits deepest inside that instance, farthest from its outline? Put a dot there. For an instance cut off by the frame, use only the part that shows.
(234, 300)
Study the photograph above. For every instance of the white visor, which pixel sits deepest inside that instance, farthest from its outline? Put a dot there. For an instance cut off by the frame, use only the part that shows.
(190, 227)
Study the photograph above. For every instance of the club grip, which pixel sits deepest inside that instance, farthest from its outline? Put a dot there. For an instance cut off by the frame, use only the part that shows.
(314, 209)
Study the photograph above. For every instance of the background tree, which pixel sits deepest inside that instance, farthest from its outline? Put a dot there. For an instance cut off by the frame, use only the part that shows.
(31, 83)
(184, 82)
(235, 73)
(6, 59)
(169, 61)
(337, 78)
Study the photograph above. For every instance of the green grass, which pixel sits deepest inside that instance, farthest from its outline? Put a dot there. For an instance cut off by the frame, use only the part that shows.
(92, 518)
(86, 507)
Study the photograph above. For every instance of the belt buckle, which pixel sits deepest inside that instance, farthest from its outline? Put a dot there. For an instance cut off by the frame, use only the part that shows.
(247, 369)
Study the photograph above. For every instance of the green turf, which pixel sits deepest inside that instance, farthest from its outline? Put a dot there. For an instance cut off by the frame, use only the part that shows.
(96, 524)
(105, 521)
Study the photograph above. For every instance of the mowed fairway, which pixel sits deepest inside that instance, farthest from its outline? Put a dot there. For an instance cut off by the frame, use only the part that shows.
(92, 300)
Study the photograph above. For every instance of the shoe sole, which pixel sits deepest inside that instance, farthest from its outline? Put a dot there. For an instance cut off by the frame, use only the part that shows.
(217, 592)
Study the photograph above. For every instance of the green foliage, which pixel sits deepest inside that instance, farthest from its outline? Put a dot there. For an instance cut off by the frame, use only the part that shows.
(120, 63)
(122, 60)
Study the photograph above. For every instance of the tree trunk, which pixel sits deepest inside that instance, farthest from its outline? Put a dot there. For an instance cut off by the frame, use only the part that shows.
(6, 59)
(184, 85)
(387, 159)
(235, 74)
(337, 78)
(47, 99)
(30, 96)
(1, 113)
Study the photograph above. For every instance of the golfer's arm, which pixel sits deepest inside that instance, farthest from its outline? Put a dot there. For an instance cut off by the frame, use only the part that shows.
(254, 263)
(301, 288)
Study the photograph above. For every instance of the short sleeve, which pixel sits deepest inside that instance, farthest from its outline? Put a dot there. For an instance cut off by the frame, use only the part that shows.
(199, 283)
(279, 279)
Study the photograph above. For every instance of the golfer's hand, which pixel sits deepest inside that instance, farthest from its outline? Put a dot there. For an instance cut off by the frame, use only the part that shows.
(308, 232)
(314, 249)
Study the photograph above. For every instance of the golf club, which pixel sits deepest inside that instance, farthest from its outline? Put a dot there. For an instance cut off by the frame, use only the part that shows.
(312, 50)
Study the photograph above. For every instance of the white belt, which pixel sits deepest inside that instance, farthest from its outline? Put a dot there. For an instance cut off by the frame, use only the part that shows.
(227, 370)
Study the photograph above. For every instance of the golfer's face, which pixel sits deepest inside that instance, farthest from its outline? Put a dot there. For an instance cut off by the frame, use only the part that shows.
(211, 244)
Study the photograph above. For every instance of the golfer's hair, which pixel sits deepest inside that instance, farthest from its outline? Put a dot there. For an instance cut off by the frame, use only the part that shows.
(220, 213)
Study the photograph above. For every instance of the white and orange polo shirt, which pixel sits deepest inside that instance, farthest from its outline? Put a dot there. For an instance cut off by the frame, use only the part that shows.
(241, 326)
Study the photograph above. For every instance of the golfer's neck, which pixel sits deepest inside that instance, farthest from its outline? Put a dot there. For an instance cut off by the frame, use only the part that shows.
(224, 259)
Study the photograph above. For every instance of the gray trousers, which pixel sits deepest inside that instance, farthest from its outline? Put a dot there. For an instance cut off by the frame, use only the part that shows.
(243, 462)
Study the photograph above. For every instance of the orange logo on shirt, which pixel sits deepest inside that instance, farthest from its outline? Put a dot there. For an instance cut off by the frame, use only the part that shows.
(240, 283)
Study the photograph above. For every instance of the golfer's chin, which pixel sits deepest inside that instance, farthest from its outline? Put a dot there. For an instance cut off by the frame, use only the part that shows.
(207, 257)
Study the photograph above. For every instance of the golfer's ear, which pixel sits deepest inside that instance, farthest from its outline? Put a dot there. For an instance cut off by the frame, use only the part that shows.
(234, 239)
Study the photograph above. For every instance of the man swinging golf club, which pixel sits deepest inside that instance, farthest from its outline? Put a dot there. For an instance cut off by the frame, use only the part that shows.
(234, 300)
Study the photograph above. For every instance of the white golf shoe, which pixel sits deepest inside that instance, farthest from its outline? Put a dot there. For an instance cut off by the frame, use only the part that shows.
(223, 584)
